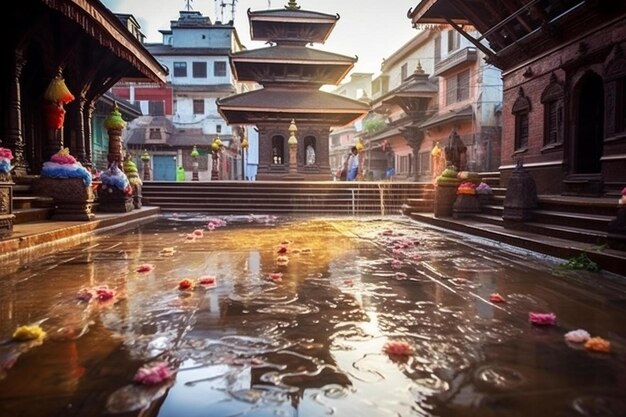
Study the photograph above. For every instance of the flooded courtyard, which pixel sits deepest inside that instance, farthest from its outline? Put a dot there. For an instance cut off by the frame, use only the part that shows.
(263, 316)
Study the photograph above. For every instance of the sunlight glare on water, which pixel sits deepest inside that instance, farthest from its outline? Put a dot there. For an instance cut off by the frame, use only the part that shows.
(305, 317)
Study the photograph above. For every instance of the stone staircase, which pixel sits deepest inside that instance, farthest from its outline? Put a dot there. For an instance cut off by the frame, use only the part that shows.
(271, 197)
(28, 207)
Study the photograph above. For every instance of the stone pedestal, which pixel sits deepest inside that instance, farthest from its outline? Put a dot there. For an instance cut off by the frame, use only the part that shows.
(464, 205)
(6, 206)
(114, 200)
(445, 196)
(73, 200)
(521, 197)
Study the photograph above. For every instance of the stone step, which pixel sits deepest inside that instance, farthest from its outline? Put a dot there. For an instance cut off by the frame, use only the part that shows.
(23, 202)
(27, 215)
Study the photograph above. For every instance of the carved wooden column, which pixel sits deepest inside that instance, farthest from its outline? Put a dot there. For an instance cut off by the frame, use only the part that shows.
(14, 139)
(88, 110)
(79, 129)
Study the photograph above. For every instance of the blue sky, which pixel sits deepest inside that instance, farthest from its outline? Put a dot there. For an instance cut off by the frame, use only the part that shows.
(369, 29)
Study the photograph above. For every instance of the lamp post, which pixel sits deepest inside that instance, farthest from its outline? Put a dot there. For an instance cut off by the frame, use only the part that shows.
(194, 172)
(293, 145)
(244, 149)
(216, 147)
(145, 158)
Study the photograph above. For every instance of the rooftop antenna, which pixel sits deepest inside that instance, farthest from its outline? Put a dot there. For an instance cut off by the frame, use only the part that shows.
(188, 5)
(223, 4)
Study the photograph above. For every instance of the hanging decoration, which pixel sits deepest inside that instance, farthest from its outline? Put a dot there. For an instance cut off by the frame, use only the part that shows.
(57, 95)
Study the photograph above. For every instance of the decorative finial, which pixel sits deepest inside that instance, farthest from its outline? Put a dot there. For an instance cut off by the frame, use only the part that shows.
(418, 68)
(292, 5)
(292, 133)
(194, 152)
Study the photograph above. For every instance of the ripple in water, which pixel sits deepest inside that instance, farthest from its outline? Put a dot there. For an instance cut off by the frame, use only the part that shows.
(592, 406)
(498, 377)
(289, 310)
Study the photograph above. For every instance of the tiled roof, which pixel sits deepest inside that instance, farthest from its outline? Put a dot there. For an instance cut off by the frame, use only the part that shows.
(288, 54)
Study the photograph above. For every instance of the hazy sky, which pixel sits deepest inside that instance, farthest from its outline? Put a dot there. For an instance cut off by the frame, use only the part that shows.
(369, 29)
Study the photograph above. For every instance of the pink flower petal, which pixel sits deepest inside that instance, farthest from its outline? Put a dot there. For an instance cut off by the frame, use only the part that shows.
(151, 375)
(145, 268)
(542, 319)
(398, 348)
(496, 298)
(577, 336)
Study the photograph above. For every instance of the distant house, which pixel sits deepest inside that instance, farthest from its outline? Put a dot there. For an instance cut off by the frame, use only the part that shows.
(183, 113)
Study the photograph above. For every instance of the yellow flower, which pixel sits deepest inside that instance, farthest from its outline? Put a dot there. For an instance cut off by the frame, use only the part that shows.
(24, 333)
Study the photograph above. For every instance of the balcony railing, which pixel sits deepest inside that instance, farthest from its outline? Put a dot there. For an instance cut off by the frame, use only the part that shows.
(462, 56)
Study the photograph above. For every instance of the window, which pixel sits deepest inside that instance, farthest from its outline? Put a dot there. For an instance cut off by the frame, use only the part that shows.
(521, 131)
(437, 48)
(180, 69)
(404, 71)
(521, 109)
(309, 148)
(155, 134)
(219, 69)
(457, 87)
(198, 69)
(552, 99)
(278, 149)
(156, 108)
(198, 107)
(218, 128)
(453, 40)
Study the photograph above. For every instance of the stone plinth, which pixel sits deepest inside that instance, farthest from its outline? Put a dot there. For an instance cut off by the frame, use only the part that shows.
(73, 200)
(445, 196)
(521, 197)
(6, 206)
(464, 205)
(114, 200)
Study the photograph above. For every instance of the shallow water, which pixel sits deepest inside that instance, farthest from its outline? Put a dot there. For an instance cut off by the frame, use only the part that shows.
(303, 333)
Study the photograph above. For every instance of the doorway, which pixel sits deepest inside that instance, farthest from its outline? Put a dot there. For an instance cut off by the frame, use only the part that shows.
(589, 138)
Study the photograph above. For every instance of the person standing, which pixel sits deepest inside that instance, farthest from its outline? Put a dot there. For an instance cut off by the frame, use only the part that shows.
(353, 165)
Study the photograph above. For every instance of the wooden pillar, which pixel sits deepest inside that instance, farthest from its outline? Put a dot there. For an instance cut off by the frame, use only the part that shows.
(79, 129)
(87, 115)
(15, 139)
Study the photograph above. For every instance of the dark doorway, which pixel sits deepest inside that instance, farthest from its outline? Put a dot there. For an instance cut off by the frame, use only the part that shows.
(589, 125)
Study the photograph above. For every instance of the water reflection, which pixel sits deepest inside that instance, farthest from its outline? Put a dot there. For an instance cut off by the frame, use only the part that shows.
(295, 322)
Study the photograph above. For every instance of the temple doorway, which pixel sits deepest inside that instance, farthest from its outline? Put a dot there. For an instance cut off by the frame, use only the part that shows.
(589, 116)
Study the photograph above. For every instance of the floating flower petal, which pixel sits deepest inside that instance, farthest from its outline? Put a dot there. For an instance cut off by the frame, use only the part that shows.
(145, 268)
(542, 319)
(198, 233)
(208, 281)
(598, 344)
(104, 294)
(151, 375)
(496, 298)
(185, 284)
(275, 276)
(24, 333)
(398, 348)
(577, 336)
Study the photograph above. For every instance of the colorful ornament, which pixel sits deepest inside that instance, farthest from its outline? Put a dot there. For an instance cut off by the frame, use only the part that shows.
(57, 91)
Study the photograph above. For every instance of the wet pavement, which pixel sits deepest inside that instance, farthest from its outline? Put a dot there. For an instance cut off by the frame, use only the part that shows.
(306, 317)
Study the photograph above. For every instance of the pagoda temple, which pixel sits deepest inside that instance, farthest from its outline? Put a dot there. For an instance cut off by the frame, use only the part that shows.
(291, 75)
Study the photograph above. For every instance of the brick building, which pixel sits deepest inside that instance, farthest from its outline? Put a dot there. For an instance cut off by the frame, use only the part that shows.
(564, 74)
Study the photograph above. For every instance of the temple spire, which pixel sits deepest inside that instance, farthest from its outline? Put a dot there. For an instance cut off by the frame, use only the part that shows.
(292, 5)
